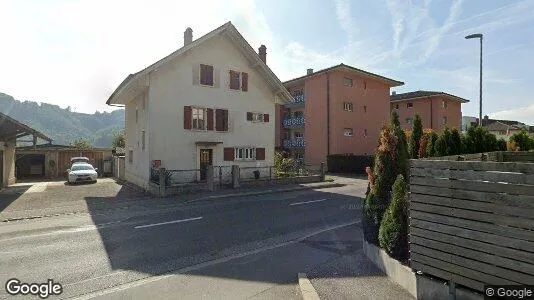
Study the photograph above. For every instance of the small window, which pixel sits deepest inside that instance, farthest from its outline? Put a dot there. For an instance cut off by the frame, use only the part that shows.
(199, 118)
(257, 117)
(347, 106)
(443, 104)
(444, 120)
(409, 121)
(348, 132)
(245, 153)
(299, 135)
(143, 140)
(298, 114)
(347, 81)
(365, 108)
(409, 104)
(136, 116)
(396, 106)
(235, 80)
(206, 75)
(365, 132)
(287, 134)
(130, 156)
(299, 155)
(365, 85)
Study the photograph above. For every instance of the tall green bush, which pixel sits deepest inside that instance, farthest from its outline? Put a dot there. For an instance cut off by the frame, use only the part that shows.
(430, 148)
(393, 232)
(423, 144)
(415, 138)
(442, 145)
(522, 140)
(501, 145)
(456, 142)
(402, 155)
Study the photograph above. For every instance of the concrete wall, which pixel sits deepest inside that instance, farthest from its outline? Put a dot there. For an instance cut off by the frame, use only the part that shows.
(137, 171)
(172, 88)
(8, 163)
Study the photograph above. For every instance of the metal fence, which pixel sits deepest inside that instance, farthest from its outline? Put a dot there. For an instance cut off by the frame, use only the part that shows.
(222, 175)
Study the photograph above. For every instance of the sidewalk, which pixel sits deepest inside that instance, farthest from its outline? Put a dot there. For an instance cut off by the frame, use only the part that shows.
(124, 199)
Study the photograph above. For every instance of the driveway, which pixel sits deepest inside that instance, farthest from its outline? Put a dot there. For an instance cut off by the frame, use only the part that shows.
(26, 200)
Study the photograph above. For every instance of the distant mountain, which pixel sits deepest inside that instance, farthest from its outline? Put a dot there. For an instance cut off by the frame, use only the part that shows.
(63, 125)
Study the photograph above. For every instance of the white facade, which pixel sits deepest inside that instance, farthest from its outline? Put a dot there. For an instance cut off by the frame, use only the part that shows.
(156, 107)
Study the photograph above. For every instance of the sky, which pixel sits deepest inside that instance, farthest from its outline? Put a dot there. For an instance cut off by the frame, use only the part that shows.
(76, 52)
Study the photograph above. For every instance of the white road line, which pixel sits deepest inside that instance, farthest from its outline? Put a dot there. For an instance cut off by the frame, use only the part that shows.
(165, 223)
(306, 202)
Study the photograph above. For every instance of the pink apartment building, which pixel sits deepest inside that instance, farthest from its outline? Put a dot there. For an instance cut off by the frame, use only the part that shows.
(436, 109)
(337, 110)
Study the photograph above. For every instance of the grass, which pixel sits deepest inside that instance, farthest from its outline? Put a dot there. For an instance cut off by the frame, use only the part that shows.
(328, 179)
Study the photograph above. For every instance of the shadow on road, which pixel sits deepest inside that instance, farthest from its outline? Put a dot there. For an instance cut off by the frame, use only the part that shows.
(11, 194)
(228, 227)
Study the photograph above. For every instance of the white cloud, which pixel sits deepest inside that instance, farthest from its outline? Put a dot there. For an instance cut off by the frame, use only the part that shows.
(522, 114)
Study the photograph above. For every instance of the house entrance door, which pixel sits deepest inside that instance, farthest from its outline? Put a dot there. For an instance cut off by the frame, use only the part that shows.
(206, 159)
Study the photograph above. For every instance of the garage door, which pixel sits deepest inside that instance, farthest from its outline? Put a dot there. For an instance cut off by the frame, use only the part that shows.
(30, 166)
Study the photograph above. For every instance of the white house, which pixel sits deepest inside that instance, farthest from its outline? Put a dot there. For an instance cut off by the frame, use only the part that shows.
(211, 102)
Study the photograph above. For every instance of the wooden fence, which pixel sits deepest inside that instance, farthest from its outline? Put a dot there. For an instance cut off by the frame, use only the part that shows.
(496, 156)
(472, 223)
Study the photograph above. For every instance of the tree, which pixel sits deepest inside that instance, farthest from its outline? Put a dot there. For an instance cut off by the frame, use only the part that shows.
(118, 140)
(522, 140)
(393, 232)
(81, 144)
(440, 147)
(415, 138)
(455, 142)
(501, 145)
(402, 156)
(430, 148)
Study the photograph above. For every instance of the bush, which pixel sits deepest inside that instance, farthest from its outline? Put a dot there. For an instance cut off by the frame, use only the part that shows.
(455, 143)
(393, 232)
(522, 140)
(430, 148)
(339, 163)
(423, 144)
(283, 165)
(416, 136)
(402, 156)
(501, 145)
(442, 145)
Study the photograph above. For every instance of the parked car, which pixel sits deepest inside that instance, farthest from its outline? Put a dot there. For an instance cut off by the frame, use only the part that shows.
(81, 172)
(79, 159)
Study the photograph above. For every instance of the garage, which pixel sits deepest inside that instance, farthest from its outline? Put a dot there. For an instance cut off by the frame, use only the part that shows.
(28, 166)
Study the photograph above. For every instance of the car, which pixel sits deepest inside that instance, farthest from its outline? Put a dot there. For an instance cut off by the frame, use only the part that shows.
(79, 159)
(82, 172)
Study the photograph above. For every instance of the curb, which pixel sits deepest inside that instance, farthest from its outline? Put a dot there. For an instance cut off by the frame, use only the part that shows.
(306, 288)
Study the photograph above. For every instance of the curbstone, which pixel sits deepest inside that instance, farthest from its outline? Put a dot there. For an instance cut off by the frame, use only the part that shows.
(306, 288)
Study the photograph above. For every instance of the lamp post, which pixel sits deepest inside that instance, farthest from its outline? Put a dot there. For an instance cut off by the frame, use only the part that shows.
(479, 36)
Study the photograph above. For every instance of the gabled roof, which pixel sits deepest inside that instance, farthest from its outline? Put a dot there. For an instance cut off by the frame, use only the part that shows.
(424, 94)
(134, 82)
(389, 81)
(498, 125)
(12, 129)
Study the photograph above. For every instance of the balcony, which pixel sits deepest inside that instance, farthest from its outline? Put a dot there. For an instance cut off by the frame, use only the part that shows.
(294, 122)
(294, 143)
(298, 100)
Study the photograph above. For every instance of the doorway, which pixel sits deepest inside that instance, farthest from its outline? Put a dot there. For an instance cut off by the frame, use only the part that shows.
(206, 159)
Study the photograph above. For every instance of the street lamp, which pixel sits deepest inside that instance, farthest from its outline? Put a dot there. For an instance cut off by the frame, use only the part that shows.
(479, 36)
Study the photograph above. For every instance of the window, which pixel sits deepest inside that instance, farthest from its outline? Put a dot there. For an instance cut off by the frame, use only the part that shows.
(443, 104)
(444, 120)
(409, 104)
(365, 132)
(235, 80)
(287, 134)
(347, 81)
(365, 108)
(347, 106)
(257, 117)
(298, 114)
(143, 140)
(409, 121)
(299, 155)
(245, 153)
(365, 85)
(299, 135)
(130, 156)
(396, 106)
(136, 116)
(199, 118)
(206, 75)
(348, 132)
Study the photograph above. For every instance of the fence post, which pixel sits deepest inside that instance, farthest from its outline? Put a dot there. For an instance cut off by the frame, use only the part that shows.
(484, 157)
(162, 182)
(322, 171)
(270, 173)
(220, 177)
(209, 177)
(235, 176)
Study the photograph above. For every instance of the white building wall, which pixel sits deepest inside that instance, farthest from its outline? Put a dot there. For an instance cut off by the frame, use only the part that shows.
(137, 170)
(171, 88)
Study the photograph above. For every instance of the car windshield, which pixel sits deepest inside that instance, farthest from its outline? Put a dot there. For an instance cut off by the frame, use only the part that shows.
(80, 167)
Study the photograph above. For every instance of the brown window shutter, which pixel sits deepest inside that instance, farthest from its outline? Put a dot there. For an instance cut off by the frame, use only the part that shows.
(244, 82)
(219, 120)
(266, 118)
(228, 154)
(225, 120)
(260, 153)
(210, 75)
(210, 119)
(187, 117)
(249, 116)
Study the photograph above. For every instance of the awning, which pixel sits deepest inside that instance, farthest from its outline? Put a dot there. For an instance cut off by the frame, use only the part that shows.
(11, 129)
(207, 143)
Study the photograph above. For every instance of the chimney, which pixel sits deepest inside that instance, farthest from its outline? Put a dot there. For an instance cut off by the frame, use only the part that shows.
(309, 71)
(188, 36)
(262, 51)
(393, 93)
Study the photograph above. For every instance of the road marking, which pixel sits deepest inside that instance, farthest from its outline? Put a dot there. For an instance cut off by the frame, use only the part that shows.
(306, 202)
(165, 223)
(306, 288)
(203, 265)
(37, 188)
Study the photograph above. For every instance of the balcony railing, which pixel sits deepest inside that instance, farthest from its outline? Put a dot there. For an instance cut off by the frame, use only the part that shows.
(294, 143)
(294, 122)
(297, 100)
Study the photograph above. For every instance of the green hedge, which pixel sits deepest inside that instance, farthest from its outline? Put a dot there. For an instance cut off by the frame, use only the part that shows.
(341, 163)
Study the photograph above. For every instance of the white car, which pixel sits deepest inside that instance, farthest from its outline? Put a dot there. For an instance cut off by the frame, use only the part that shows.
(80, 172)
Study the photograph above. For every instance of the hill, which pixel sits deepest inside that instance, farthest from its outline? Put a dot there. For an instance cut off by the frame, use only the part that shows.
(63, 125)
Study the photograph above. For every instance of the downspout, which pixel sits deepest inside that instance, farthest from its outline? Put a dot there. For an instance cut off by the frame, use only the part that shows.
(327, 114)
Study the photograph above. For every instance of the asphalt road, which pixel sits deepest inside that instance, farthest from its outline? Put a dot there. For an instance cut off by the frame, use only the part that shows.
(92, 253)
